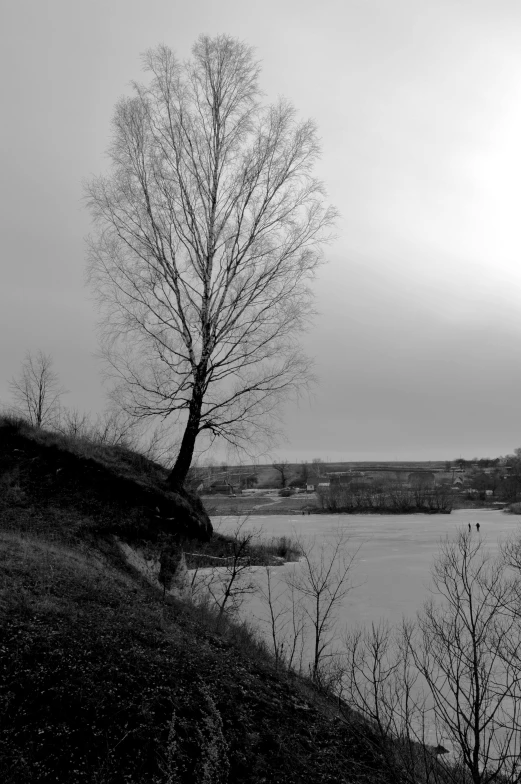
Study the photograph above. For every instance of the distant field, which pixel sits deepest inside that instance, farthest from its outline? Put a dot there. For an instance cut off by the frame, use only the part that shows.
(267, 476)
(225, 505)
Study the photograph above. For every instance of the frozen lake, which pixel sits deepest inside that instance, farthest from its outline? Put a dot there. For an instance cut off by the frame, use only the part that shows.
(395, 557)
(392, 568)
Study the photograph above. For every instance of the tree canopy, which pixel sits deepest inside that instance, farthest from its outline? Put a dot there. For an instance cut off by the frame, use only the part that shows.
(208, 229)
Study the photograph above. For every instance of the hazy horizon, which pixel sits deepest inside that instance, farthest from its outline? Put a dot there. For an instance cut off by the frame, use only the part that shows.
(418, 105)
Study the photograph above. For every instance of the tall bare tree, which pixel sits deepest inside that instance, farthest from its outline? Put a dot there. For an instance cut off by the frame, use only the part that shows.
(37, 390)
(209, 229)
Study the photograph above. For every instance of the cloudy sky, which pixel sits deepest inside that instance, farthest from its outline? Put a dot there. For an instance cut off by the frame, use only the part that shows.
(418, 103)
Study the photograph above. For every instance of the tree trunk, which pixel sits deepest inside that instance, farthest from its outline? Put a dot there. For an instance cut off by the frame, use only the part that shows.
(177, 476)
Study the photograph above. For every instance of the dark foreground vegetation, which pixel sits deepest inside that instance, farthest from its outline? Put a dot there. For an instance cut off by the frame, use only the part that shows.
(104, 678)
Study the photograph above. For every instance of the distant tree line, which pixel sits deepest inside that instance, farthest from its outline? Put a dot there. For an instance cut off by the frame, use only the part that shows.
(390, 499)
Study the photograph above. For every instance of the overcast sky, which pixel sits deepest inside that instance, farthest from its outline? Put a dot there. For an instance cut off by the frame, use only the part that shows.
(418, 103)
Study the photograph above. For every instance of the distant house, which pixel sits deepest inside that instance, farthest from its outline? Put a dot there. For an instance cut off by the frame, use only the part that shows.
(310, 488)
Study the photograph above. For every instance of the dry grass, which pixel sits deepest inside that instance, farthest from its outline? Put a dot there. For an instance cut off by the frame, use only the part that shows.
(104, 682)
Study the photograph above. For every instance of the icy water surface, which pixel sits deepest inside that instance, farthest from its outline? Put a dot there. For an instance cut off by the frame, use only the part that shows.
(395, 556)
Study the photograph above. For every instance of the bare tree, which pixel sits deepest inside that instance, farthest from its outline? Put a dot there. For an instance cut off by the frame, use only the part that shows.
(287, 620)
(230, 580)
(273, 596)
(380, 682)
(294, 645)
(462, 649)
(304, 472)
(37, 391)
(74, 423)
(452, 678)
(322, 579)
(283, 468)
(209, 229)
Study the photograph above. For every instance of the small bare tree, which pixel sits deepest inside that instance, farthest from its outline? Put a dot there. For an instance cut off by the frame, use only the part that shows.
(75, 423)
(37, 391)
(283, 468)
(273, 596)
(209, 230)
(230, 580)
(323, 580)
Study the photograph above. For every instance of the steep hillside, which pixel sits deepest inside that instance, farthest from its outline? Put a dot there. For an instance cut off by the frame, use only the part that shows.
(101, 680)
(103, 489)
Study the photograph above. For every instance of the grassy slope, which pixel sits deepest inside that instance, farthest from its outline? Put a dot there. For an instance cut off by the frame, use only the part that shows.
(103, 489)
(100, 681)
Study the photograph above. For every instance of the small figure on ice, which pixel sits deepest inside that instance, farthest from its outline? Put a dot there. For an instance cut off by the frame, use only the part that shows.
(477, 527)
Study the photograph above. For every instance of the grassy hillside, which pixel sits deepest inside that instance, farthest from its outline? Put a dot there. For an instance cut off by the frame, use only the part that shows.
(103, 489)
(101, 680)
